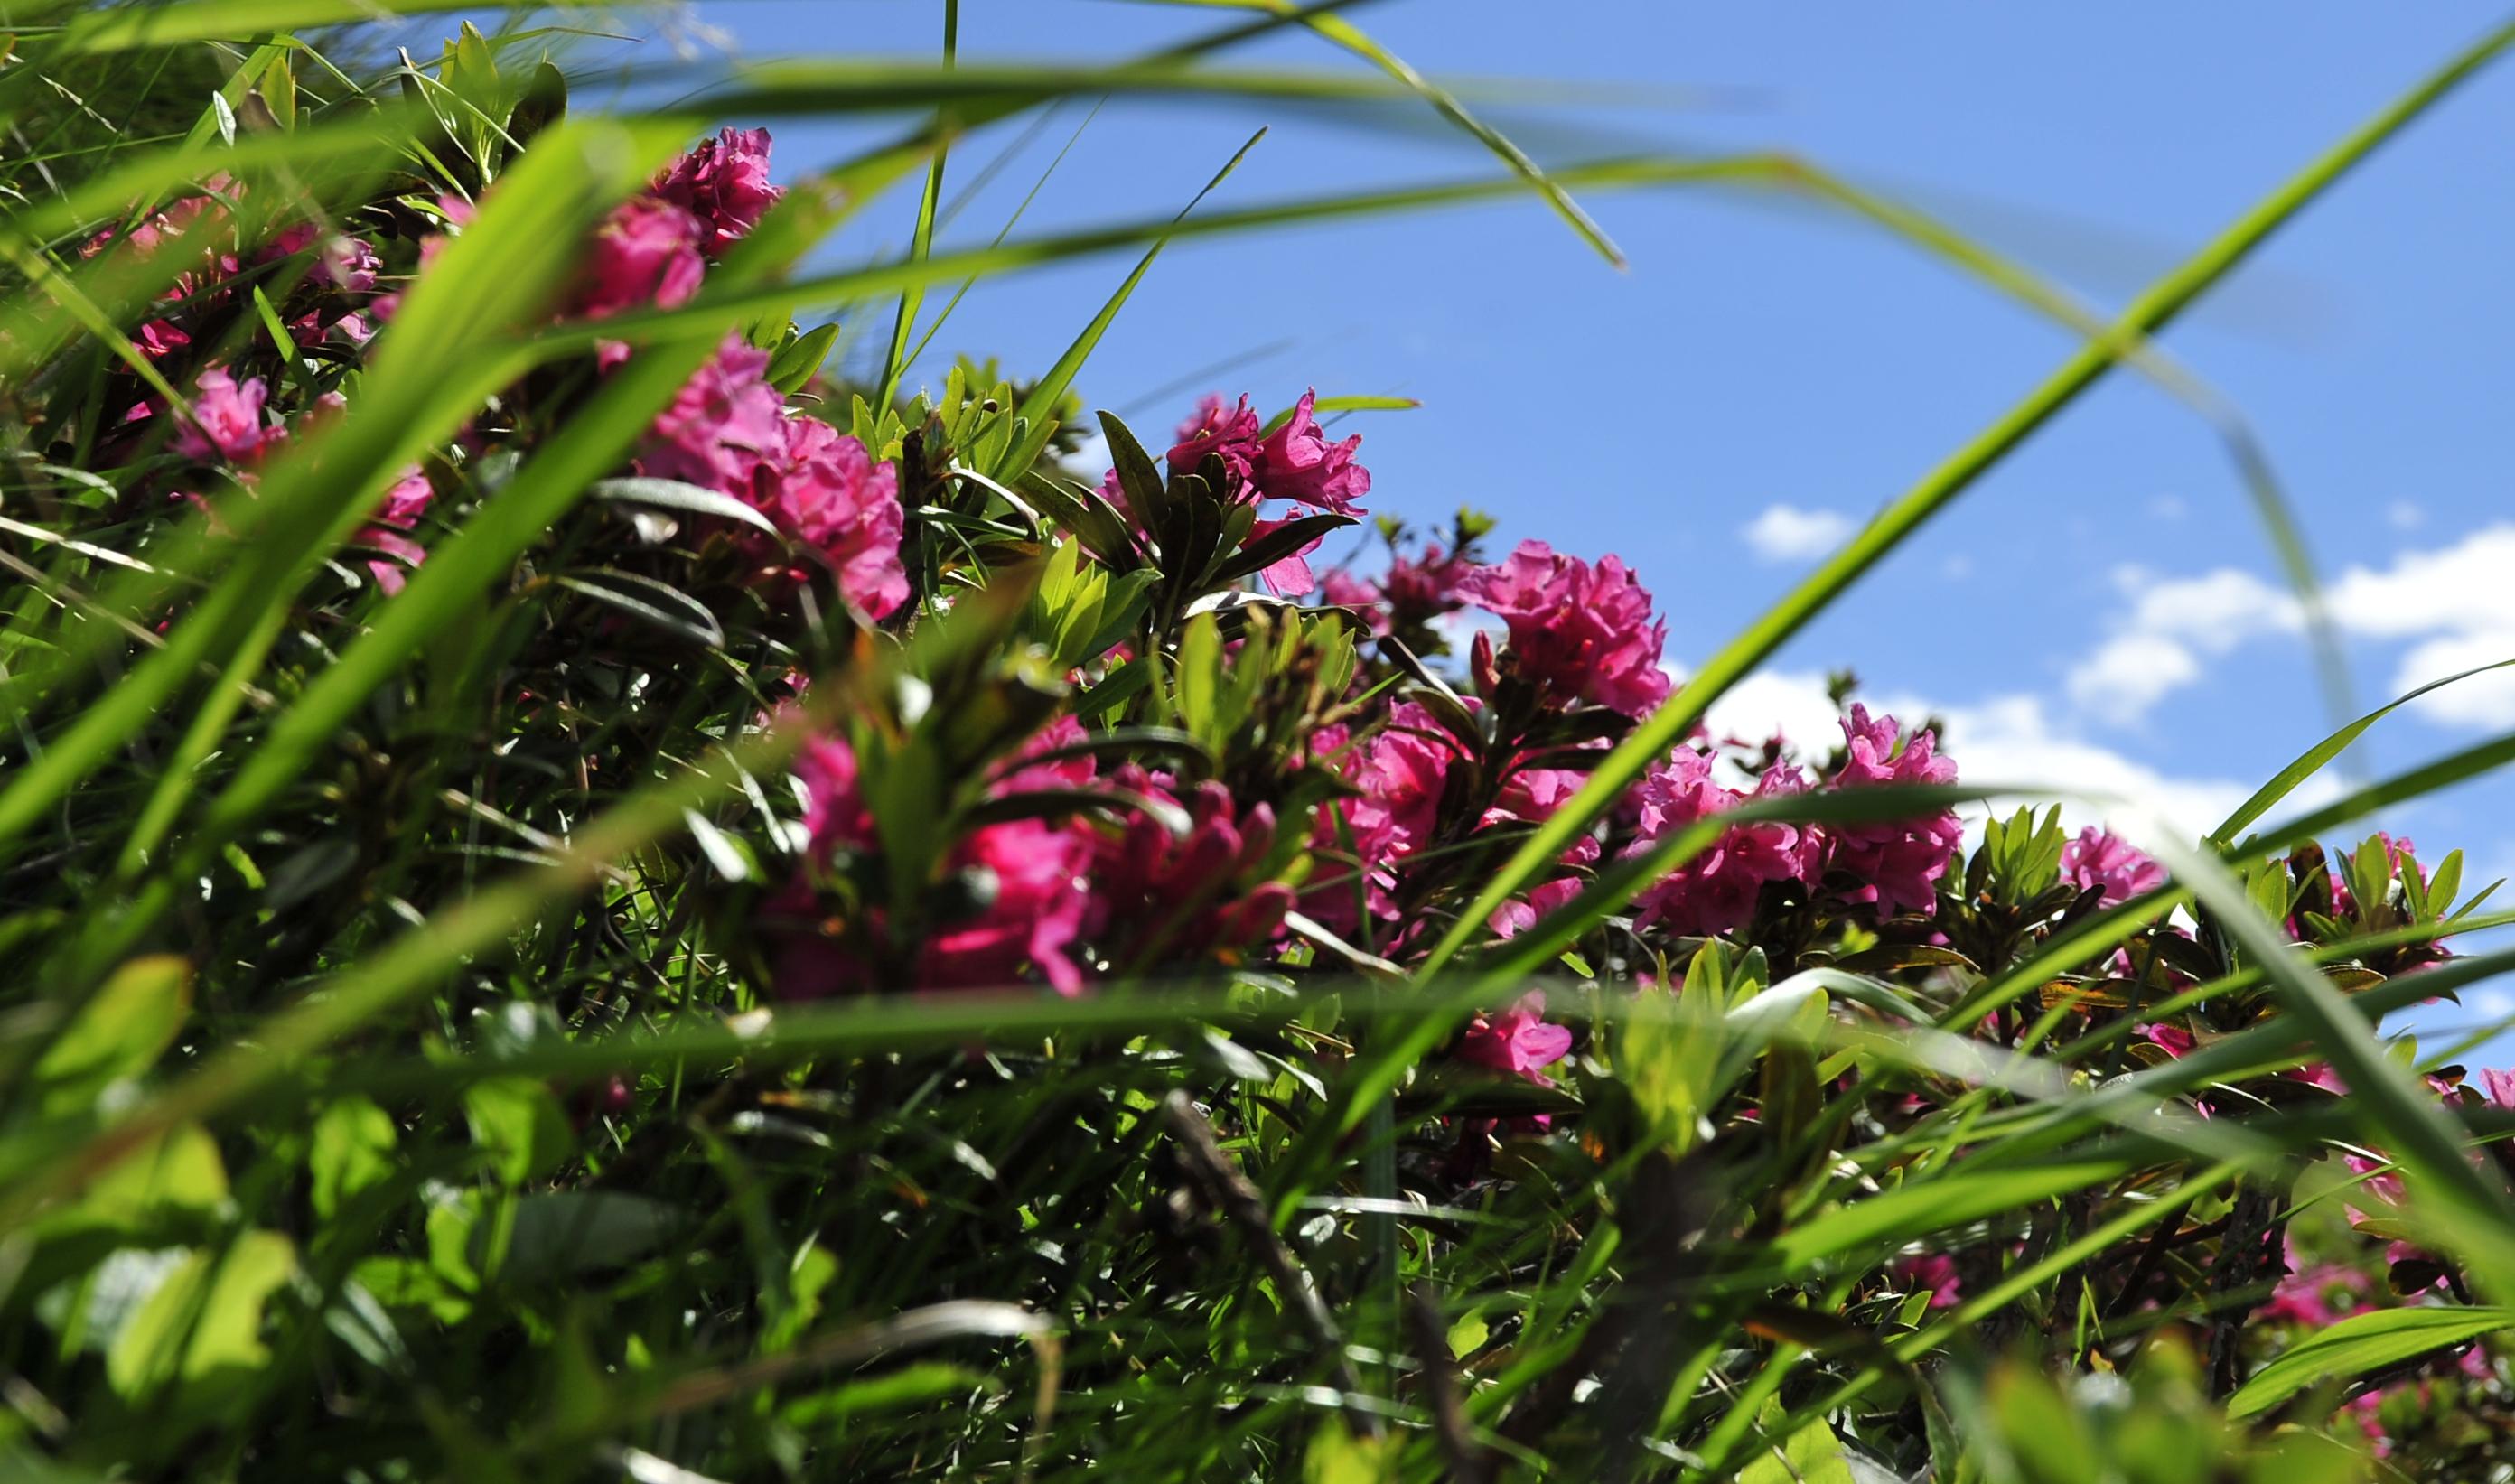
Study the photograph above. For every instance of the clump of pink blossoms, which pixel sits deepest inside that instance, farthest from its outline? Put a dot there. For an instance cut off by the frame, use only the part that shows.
(1294, 463)
(1577, 631)
(2103, 862)
(1716, 889)
(722, 183)
(727, 430)
(1896, 864)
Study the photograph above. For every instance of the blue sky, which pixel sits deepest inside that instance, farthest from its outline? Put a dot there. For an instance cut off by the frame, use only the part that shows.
(2104, 607)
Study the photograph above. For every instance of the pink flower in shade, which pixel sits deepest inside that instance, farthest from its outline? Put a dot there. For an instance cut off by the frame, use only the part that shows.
(727, 430)
(1296, 462)
(341, 262)
(2102, 861)
(1032, 770)
(2316, 1295)
(723, 183)
(1425, 588)
(1181, 895)
(827, 490)
(1576, 631)
(1934, 1271)
(1716, 890)
(646, 255)
(1517, 1041)
(722, 424)
(1033, 910)
(231, 424)
(835, 815)
(1896, 863)
(1341, 589)
(1027, 900)
(388, 530)
(1400, 771)
(1520, 914)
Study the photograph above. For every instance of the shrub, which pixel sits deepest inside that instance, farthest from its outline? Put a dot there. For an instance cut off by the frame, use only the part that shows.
(595, 894)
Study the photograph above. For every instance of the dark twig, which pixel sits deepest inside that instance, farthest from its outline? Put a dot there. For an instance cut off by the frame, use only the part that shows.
(1241, 1204)
(1468, 1464)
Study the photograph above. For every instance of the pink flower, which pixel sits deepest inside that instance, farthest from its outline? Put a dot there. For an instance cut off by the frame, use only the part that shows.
(1516, 1042)
(1182, 895)
(828, 491)
(231, 420)
(646, 255)
(1400, 771)
(1716, 890)
(1229, 433)
(1296, 461)
(727, 430)
(1934, 1271)
(723, 183)
(725, 421)
(1341, 589)
(1028, 773)
(835, 813)
(1025, 902)
(1520, 914)
(2103, 861)
(1896, 864)
(2500, 1086)
(1026, 873)
(2307, 1294)
(1576, 631)
(394, 519)
(1425, 588)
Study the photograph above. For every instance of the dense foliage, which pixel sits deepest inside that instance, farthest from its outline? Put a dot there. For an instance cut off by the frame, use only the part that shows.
(595, 894)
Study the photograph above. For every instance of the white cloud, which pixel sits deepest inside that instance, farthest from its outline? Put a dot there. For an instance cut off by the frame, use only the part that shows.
(2004, 739)
(2129, 673)
(1787, 534)
(2170, 624)
(2459, 602)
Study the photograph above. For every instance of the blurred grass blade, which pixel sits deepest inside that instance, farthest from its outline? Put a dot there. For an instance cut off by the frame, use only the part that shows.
(1347, 34)
(921, 239)
(1038, 408)
(2150, 313)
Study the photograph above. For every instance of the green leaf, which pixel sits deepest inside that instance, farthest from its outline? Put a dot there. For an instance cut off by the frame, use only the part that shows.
(201, 1329)
(2359, 1345)
(352, 1149)
(562, 1233)
(1813, 1455)
(1951, 1198)
(119, 1033)
(520, 1125)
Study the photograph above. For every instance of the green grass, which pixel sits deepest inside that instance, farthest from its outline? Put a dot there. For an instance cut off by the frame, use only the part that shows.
(396, 1081)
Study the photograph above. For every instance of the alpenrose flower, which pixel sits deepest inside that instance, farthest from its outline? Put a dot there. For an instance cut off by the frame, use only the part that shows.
(1577, 631)
(1896, 864)
(1294, 463)
(1715, 890)
(727, 430)
(1517, 1041)
(723, 183)
(2103, 862)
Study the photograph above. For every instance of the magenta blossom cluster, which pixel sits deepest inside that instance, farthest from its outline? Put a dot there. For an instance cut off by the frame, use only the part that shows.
(1059, 897)
(341, 274)
(2100, 861)
(1293, 463)
(1577, 631)
(728, 431)
(230, 425)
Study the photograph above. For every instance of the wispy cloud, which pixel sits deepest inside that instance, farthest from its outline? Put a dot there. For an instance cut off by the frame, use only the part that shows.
(1788, 533)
